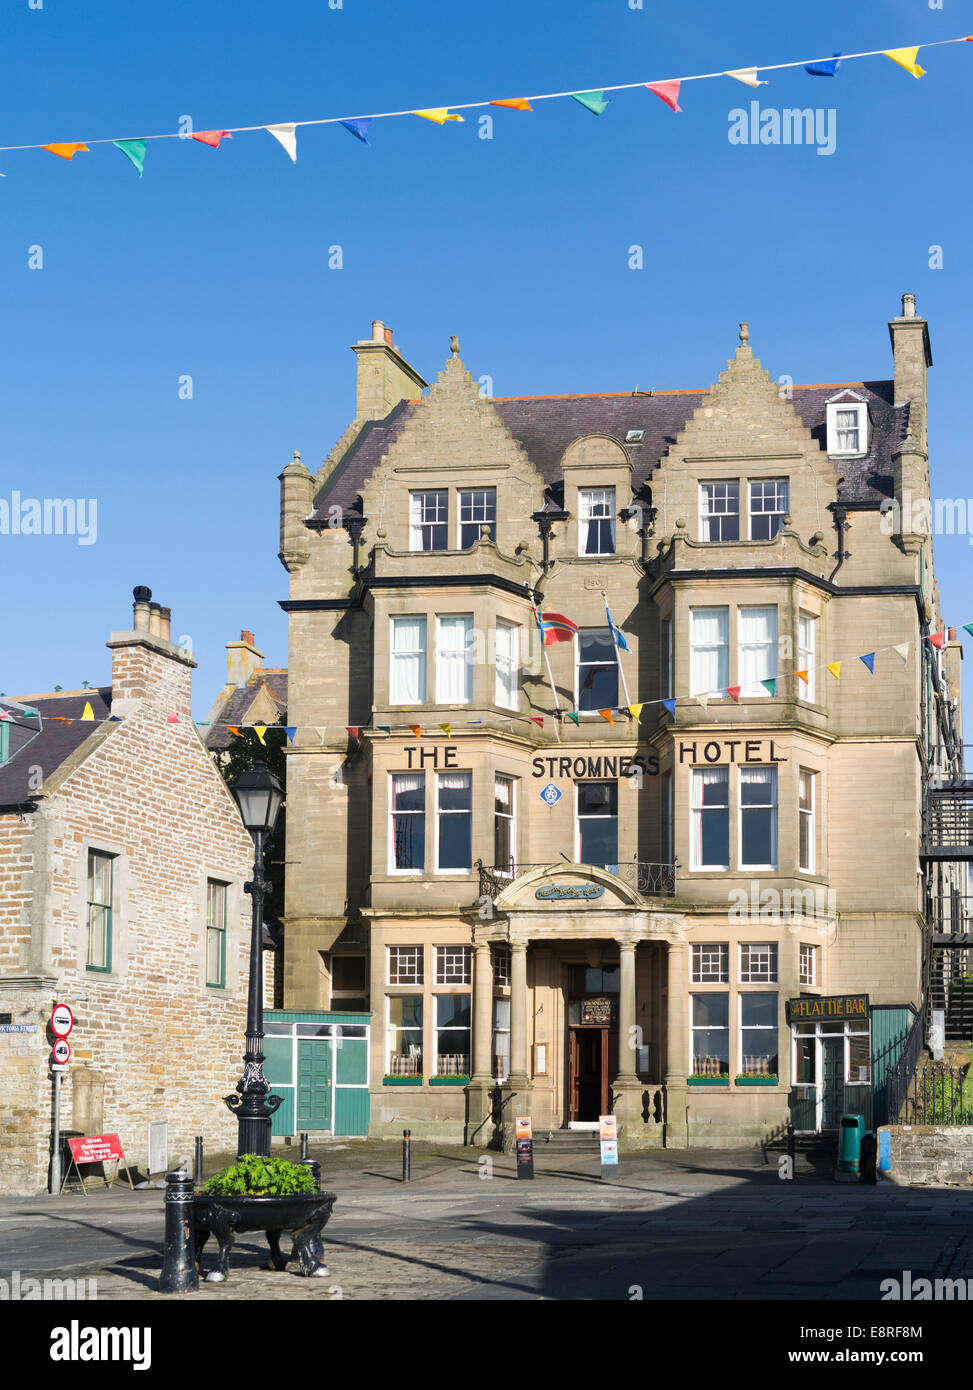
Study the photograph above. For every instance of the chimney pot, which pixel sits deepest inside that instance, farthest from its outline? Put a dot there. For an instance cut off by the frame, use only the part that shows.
(165, 623)
(140, 608)
(155, 619)
(908, 306)
(378, 331)
(952, 634)
(388, 336)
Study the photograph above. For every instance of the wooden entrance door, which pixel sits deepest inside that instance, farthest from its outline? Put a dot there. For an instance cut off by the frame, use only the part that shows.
(593, 1054)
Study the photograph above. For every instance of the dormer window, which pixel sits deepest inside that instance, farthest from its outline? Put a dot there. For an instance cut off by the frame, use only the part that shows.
(596, 521)
(847, 427)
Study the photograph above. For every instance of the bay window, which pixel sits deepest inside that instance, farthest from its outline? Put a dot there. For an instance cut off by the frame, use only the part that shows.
(407, 678)
(408, 822)
(709, 643)
(758, 818)
(596, 521)
(454, 659)
(711, 817)
(757, 649)
(505, 656)
(454, 822)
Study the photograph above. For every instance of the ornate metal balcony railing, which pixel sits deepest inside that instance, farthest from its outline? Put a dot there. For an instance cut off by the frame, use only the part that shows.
(653, 880)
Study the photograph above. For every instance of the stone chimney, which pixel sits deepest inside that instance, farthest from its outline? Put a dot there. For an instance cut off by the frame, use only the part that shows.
(147, 667)
(912, 356)
(242, 659)
(384, 376)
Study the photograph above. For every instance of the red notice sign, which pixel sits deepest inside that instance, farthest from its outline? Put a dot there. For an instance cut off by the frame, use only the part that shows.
(96, 1148)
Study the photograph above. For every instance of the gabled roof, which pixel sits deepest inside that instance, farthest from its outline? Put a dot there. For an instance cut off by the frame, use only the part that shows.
(236, 708)
(51, 742)
(546, 425)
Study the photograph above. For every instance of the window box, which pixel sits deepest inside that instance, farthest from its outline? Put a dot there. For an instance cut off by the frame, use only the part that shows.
(707, 1080)
(401, 1080)
(449, 1081)
(756, 1081)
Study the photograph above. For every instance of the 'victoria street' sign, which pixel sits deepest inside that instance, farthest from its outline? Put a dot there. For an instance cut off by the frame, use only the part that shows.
(838, 1007)
(570, 890)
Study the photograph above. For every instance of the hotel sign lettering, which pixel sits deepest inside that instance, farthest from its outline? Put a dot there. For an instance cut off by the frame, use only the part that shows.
(613, 765)
(839, 1007)
(570, 890)
(724, 750)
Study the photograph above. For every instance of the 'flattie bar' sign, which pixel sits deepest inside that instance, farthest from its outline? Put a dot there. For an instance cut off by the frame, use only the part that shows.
(817, 1010)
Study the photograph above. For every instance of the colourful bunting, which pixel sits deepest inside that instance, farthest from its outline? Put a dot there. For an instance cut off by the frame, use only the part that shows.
(802, 675)
(606, 714)
(172, 719)
(416, 730)
(133, 150)
(60, 719)
(967, 627)
(635, 711)
(903, 651)
(535, 719)
(835, 668)
(65, 151)
(234, 729)
(354, 730)
(869, 660)
(446, 728)
(771, 684)
(703, 700)
(747, 75)
(592, 101)
(670, 706)
(439, 114)
(260, 730)
(359, 129)
(290, 730)
(476, 721)
(572, 715)
(667, 92)
(212, 137)
(384, 728)
(515, 104)
(5, 714)
(936, 638)
(906, 58)
(827, 68)
(88, 713)
(734, 693)
(286, 135)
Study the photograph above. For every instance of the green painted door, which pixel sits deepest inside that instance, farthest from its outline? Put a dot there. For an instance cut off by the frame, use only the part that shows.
(314, 1084)
(833, 1078)
(351, 1102)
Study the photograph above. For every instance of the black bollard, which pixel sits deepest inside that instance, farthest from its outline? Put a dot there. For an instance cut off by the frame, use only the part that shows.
(179, 1273)
(198, 1167)
(304, 1148)
(790, 1146)
(406, 1155)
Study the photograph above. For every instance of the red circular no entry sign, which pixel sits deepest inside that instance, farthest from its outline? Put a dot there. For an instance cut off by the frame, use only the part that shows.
(62, 1020)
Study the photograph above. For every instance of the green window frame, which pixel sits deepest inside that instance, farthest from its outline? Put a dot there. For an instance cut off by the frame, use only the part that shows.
(101, 876)
(215, 934)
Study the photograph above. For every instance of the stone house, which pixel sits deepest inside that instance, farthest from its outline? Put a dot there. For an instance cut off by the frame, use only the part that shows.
(122, 865)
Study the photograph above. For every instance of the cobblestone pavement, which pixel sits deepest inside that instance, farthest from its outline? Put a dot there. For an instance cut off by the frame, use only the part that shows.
(689, 1226)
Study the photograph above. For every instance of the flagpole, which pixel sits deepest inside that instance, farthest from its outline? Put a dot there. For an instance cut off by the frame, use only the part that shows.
(550, 675)
(618, 659)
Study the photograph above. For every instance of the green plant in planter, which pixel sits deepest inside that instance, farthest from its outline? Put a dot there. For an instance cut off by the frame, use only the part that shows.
(253, 1176)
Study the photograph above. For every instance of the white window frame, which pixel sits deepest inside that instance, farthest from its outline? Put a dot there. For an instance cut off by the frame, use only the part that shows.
(388, 1032)
(392, 867)
(753, 976)
(757, 690)
(601, 781)
(783, 487)
(445, 655)
(808, 814)
(694, 1028)
(758, 1027)
(806, 635)
(703, 954)
(418, 961)
(707, 514)
(420, 652)
(809, 957)
(417, 521)
(497, 1031)
(453, 772)
(507, 693)
(446, 958)
(510, 816)
(480, 493)
(774, 805)
(696, 809)
(612, 662)
(722, 649)
(835, 449)
(588, 499)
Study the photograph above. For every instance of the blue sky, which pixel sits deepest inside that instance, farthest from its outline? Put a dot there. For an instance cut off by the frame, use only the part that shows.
(215, 264)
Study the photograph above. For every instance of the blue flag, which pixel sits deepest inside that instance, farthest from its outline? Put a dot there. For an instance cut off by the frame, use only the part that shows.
(670, 706)
(618, 636)
(828, 68)
(869, 660)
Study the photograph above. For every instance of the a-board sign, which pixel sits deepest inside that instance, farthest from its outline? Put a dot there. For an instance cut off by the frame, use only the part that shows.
(96, 1148)
(62, 1020)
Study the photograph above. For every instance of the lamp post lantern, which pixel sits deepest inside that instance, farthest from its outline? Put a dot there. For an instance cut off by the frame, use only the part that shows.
(259, 796)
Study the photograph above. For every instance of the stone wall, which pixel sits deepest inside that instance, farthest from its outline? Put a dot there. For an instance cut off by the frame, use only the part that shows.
(927, 1155)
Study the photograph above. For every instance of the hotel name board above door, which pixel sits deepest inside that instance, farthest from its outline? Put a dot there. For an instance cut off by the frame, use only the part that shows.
(839, 1007)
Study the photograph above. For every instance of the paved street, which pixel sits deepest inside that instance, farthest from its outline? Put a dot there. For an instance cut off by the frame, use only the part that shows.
(700, 1226)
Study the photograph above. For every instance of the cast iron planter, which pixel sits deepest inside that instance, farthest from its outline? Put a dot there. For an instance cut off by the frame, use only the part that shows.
(303, 1216)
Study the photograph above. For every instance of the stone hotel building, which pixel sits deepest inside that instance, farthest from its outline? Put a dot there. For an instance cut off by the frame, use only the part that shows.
(536, 888)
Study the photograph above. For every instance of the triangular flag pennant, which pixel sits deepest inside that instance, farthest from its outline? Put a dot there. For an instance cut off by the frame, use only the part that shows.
(287, 135)
(320, 731)
(32, 714)
(234, 729)
(354, 730)
(771, 684)
(474, 721)
(801, 675)
(635, 711)
(869, 660)
(65, 151)
(536, 719)
(906, 58)
(703, 700)
(826, 68)
(359, 128)
(290, 730)
(606, 714)
(734, 693)
(5, 714)
(446, 728)
(384, 728)
(60, 719)
(87, 712)
(515, 104)
(133, 150)
(967, 627)
(903, 650)
(670, 706)
(572, 715)
(416, 730)
(592, 101)
(835, 668)
(260, 730)
(747, 75)
(172, 719)
(439, 114)
(667, 92)
(936, 638)
(211, 137)
(114, 719)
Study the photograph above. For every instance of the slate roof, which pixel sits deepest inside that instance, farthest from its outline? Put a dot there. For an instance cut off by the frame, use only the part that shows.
(236, 708)
(545, 425)
(45, 742)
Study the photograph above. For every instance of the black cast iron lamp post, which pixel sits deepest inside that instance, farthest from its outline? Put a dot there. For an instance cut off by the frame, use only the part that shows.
(259, 795)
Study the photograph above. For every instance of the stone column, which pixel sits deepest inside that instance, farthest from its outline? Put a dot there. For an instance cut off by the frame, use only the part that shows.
(482, 1013)
(677, 1046)
(519, 1075)
(627, 1036)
